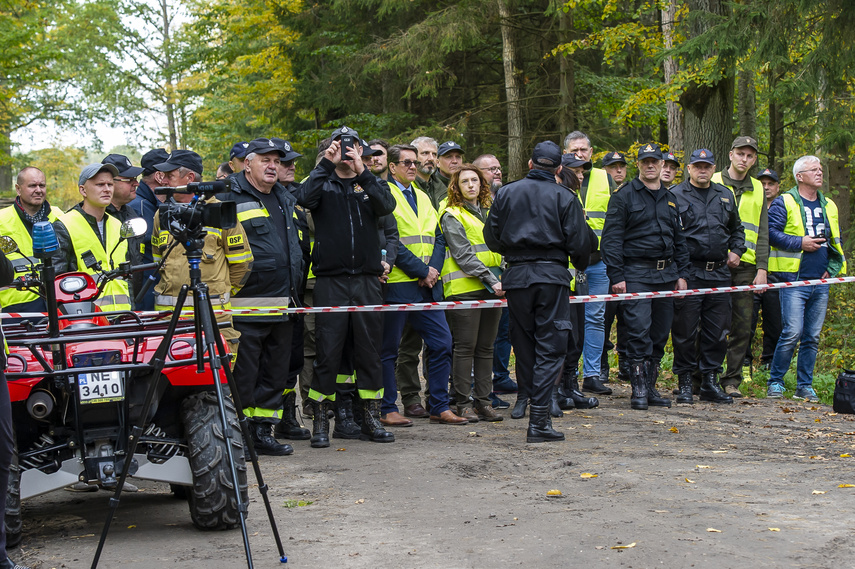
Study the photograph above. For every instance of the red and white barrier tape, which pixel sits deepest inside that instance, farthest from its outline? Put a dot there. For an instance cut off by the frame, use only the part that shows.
(469, 304)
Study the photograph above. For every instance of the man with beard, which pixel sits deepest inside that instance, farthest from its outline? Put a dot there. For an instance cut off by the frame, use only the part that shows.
(379, 163)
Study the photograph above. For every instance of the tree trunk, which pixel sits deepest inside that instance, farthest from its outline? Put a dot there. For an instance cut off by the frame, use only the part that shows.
(567, 79)
(747, 106)
(169, 87)
(516, 156)
(673, 108)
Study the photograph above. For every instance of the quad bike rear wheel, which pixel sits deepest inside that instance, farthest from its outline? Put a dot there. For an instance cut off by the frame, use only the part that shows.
(212, 498)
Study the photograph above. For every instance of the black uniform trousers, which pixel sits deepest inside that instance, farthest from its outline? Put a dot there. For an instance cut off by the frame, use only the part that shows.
(701, 325)
(334, 329)
(7, 448)
(539, 326)
(614, 311)
(261, 367)
(770, 303)
(648, 321)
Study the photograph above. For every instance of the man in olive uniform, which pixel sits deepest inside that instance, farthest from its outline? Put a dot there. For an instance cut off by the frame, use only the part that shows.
(716, 241)
(645, 250)
(751, 203)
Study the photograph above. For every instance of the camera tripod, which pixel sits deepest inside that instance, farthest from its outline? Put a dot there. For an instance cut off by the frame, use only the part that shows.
(208, 340)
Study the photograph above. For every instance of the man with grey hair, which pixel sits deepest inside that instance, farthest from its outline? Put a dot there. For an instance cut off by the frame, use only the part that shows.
(804, 234)
(426, 157)
(595, 192)
(492, 170)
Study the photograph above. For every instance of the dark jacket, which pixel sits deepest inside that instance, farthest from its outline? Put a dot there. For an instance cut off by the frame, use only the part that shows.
(277, 267)
(136, 246)
(145, 204)
(436, 187)
(537, 224)
(711, 227)
(643, 227)
(345, 213)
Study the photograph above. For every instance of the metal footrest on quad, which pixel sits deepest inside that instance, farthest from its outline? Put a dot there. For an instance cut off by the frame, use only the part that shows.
(35, 482)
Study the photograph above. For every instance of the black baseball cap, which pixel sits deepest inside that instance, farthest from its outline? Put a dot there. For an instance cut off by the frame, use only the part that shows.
(769, 173)
(574, 161)
(742, 141)
(181, 159)
(343, 130)
(290, 153)
(123, 165)
(546, 154)
(152, 158)
(264, 146)
(449, 146)
(702, 155)
(650, 150)
(613, 158)
(669, 157)
(368, 151)
(238, 150)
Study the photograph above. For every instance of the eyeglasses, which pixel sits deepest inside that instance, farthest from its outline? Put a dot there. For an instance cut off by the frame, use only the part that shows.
(493, 169)
(126, 180)
(409, 163)
(812, 171)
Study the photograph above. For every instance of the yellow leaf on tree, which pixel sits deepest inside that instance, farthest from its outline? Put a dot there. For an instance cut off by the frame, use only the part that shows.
(624, 546)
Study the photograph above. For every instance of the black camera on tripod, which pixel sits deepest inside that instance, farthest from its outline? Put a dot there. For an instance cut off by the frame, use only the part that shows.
(188, 220)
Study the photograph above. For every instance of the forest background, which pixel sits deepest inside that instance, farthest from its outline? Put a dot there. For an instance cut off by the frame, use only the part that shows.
(496, 76)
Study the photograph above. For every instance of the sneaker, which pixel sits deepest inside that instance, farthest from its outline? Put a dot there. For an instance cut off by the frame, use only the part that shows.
(498, 403)
(505, 385)
(775, 391)
(807, 394)
(732, 390)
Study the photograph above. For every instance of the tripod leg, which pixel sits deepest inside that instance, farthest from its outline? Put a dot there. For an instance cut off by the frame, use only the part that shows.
(250, 447)
(158, 361)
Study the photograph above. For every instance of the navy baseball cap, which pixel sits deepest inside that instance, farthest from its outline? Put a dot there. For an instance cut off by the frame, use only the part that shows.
(769, 173)
(181, 159)
(151, 158)
(702, 155)
(264, 146)
(239, 150)
(669, 157)
(123, 165)
(290, 153)
(573, 161)
(343, 130)
(546, 154)
(650, 150)
(613, 158)
(449, 146)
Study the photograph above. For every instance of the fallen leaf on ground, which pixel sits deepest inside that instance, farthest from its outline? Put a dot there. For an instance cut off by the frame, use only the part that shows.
(847, 486)
(845, 455)
(818, 492)
(360, 501)
(719, 451)
(713, 530)
(131, 527)
(553, 493)
(662, 511)
(703, 466)
(588, 475)
(624, 546)
(341, 449)
(817, 420)
(658, 422)
(690, 481)
(774, 529)
(600, 547)
(674, 430)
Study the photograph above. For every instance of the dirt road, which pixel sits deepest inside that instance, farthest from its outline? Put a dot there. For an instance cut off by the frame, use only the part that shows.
(745, 485)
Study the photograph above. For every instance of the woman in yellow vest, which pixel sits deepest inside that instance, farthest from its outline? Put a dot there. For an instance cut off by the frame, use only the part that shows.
(471, 272)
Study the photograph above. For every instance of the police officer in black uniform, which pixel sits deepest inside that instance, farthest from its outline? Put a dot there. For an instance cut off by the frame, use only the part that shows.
(716, 241)
(644, 250)
(536, 224)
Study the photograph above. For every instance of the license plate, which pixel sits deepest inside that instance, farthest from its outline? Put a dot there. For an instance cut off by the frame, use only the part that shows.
(101, 387)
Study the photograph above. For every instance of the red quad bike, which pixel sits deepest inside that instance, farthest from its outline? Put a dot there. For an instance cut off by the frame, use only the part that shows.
(78, 380)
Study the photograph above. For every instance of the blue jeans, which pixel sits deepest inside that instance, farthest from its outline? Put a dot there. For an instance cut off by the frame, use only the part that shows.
(595, 320)
(502, 349)
(802, 315)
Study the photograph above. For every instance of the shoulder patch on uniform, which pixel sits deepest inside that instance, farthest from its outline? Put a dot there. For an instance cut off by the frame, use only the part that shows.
(725, 200)
(235, 240)
(672, 204)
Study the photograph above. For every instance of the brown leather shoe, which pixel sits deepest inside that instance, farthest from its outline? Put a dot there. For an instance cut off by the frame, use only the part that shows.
(467, 413)
(416, 411)
(395, 419)
(448, 418)
(487, 413)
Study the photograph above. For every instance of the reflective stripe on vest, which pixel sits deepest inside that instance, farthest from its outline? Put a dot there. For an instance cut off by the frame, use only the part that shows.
(418, 234)
(781, 261)
(12, 226)
(597, 200)
(454, 279)
(115, 295)
(250, 210)
(750, 208)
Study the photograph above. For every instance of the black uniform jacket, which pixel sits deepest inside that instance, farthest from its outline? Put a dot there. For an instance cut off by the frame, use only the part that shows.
(537, 224)
(642, 238)
(712, 228)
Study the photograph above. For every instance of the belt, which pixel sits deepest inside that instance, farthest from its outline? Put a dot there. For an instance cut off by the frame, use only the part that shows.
(709, 265)
(658, 264)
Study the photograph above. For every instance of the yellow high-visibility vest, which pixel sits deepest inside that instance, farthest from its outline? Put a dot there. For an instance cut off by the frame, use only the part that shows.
(750, 208)
(12, 226)
(417, 233)
(454, 280)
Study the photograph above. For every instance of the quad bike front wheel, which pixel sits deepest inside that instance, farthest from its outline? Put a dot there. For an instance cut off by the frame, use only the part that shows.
(212, 497)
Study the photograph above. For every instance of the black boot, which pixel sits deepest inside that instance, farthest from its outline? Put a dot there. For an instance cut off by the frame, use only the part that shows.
(372, 430)
(684, 381)
(540, 426)
(654, 398)
(623, 368)
(554, 408)
(594, 385)
(518, 411)
(638, 400)
(565, 402)
(262, 439)
(288, 427)
(345, 427)
(571, 388)
(9, 564)
(320, 424)
(711, 390)
(604, 369)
